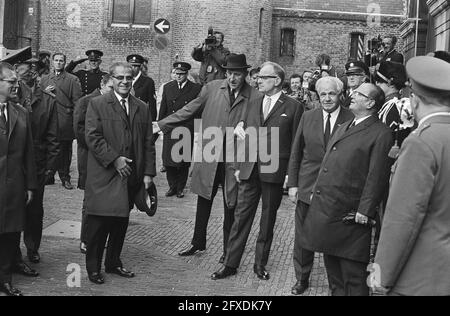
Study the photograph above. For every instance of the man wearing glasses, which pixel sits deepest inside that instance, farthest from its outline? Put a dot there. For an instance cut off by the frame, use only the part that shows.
(352, 181)
(175, 96)
(275, 117)
(121, 159)
(17, 174)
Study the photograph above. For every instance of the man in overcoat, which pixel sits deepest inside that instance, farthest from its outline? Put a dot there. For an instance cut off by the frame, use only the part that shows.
(413, 256)
(121, 160)
(17, 174)
(67, 90)
(316, 129)
(176, 95)
(275, 117)
(351, 184)
(221, 104)
(79, 121)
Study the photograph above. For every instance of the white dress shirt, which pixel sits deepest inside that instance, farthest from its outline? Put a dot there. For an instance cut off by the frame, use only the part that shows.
(333, 119)
(273, 100)
(120, 98)
(6, 111)
(359, 121)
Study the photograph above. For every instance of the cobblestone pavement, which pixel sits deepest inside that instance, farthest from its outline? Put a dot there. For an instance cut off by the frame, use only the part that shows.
(151, 251)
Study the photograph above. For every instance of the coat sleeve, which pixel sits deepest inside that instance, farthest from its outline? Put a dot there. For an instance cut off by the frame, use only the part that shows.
(163, 111)
(150, 152)
(77, 93)
(152, 97)
(51, 137)
(95, 141)
(29, 163)
(197, 54)
(188, 112)
(79, 120)
(296, 158)
(406, 208)
(377, 180)
(220, 55)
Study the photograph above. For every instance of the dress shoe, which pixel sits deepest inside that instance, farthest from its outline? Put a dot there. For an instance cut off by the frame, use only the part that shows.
(191, 251)
(8, 289)
(67, 185)
(24, 269)
(83, 248)
(261, 273)
(300, 287)
(171, 192)
(96, 278)
(163, 169)
(222, 259)
(180, 195)
(34, 257)
(121, 272)
(225, 272)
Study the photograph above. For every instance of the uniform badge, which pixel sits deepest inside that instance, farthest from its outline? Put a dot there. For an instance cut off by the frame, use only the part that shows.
(209, 69)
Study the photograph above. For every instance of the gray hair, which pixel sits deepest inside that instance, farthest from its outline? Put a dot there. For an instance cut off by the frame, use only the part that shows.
(279, 71)
(339, 84)
(5, 66)
(116, 65)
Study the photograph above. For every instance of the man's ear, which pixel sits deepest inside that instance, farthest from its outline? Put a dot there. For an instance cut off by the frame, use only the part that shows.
(371, 105)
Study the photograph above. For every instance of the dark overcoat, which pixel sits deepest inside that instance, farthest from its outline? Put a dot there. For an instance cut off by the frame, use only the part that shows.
(109, 135)
(68, 91)
(17, 169)
(353, 177)
(213, 104)
(144, 90)
(173, 99)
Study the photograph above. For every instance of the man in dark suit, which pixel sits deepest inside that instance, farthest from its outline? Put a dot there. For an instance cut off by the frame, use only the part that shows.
(143, 87)
(89, 79)
(389, 51)
(17, 174)
(67, 90)
(275, 117)
(313, 135)
(121, 160)
(177, 94)
(79, 120)
(352, 180)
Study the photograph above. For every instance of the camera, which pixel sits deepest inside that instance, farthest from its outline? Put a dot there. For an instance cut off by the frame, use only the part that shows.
(375, 51)
(211, 39)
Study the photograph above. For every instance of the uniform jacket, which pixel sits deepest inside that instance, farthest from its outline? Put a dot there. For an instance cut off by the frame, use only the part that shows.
(283, 118)
(414, 249)
(308, 151)
(213, 104)
(212, 61)
(353, 177)
(90, 80)
(17, 169)
(79, 121)
(173, 99)
(68, 91)
(144, 90)
(393, 56)
(109, 135)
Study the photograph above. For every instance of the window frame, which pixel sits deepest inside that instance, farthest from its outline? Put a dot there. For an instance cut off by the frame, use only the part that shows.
(132, 15)
(356, 35)
(282, 42)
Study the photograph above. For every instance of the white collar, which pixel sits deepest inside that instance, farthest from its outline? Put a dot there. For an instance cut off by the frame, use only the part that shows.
(137, 77)
(334, 114)
(358, 121)
(120, 98)
(433, 115)
(274, 98)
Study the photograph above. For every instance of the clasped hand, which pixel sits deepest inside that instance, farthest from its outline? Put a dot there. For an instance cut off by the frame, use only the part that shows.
(122, 167)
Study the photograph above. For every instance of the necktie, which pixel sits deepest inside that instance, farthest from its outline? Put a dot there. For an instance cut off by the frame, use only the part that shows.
(267, 107)
(326, 135)
(3, 122)
(123, 102)
(180, 86)
(232, 97)
(352, 125)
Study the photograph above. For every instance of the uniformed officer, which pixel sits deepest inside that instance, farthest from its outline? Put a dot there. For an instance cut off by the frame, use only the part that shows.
(176, 94)
(89, 79)
(357, 73)
(413, 256)
(143, 86)
(44, 62)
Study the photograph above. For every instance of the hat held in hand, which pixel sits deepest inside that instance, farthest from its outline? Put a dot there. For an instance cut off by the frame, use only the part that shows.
(147, 200)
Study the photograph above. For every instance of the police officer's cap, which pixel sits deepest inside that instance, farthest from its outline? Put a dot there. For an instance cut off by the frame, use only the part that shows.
(392, 73)
(182, 66)
(356, 68)
(94, 55)
(429, 76)
(135, 59)
(18, 56)
(44, 53)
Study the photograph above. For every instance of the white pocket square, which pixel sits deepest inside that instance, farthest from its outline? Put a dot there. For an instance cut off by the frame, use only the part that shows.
(283, 115)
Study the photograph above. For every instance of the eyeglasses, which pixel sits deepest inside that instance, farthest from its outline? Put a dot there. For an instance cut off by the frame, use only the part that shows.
(266, 77)
(11, 81)
(121, 78)
(361, 94)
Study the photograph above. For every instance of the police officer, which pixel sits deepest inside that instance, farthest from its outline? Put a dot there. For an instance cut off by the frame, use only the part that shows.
(357, 73)
(413, 256)
(89, 79)
(176, 95)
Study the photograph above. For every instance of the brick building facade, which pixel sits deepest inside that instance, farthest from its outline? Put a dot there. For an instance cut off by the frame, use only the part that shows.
(290, 32)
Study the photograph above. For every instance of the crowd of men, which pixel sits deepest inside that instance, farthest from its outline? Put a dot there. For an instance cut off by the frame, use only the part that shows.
(337, 139)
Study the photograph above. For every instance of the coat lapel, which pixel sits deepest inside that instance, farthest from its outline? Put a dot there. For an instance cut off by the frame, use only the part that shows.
(224, 90)
(12, 118)
(243, 95)
(277, 108)
(318, 121)
(133, 108)
(346, 132)
(139, 82)
(114, 102)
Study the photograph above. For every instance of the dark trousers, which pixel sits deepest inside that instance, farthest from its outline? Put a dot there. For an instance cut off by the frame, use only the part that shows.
(346, 277)
(303, 258)
(98, 230)
(32, 235)
(64, 159)
(177, 177)
(84, 217)
(203, 213)
(9, 243)
(249, 195)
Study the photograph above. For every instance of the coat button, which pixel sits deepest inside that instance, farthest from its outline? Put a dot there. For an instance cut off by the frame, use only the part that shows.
(334, 148)
(325, 170)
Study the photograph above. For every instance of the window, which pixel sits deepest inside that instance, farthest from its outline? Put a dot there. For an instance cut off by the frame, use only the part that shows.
(287, 42)
(131, 11)
(261, 19)
(357, 46)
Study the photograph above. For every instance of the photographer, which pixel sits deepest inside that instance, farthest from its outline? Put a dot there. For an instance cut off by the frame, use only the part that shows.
(212, 55)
